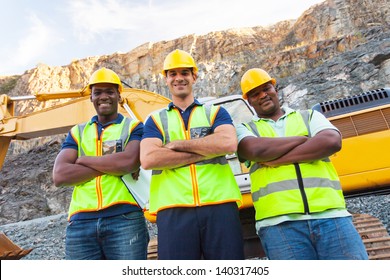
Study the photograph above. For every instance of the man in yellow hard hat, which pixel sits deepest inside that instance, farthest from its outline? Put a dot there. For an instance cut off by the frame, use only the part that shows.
(105, 222)
(193, 191)
(296, 192)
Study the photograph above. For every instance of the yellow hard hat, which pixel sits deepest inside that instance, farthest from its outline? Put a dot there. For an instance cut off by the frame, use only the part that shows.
(104, 75)
(253, 78)
(179, 59)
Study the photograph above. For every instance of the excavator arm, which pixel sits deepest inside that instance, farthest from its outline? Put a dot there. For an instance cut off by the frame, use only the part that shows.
(136, 103)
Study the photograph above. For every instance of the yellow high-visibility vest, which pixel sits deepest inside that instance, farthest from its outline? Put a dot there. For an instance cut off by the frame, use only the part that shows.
(106, 190)
(302, 188)
(203, 183)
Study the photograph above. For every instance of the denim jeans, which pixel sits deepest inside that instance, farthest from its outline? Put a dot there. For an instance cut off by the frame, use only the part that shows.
(320, 239)
(122, 237)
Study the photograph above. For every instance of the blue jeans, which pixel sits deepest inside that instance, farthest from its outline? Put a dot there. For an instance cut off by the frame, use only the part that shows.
(122, 237)
(321, 239)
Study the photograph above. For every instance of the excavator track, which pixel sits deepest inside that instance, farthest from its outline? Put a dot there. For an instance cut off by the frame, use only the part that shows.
(375, 237)
(152, 249)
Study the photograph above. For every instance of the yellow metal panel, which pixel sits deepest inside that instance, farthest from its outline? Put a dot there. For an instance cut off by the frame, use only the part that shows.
(143, 102)
(364, 181)
(363, 153)
(151, 218)
(247, 200)
(4, 144)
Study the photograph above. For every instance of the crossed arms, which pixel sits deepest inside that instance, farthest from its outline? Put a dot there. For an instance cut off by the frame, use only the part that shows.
(69, 169)
(155, 155)
(274, 151)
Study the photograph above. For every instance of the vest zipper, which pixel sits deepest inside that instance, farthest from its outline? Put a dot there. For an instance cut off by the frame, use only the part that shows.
(99, 178)
(194, 179)
(302, 188)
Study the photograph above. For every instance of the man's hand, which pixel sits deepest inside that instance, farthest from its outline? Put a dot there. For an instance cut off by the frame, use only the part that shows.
(135, 174)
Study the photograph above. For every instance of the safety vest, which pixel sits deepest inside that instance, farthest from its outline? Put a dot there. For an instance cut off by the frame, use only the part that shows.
(302, 188)
(105, 190)
(203, 183)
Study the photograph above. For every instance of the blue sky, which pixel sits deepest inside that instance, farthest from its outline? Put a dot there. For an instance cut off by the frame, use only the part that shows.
(55, 32)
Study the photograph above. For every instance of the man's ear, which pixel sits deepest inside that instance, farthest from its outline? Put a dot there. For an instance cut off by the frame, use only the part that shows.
(195, 76)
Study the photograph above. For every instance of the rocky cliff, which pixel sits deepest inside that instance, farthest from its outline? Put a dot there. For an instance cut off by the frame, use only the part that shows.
(334, 49)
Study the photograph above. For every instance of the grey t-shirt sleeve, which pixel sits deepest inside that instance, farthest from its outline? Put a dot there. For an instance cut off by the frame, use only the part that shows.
(242, 131)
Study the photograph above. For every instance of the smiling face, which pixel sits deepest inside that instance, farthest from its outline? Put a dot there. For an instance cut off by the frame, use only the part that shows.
(180, 82)
(105, 98)
(264, 99)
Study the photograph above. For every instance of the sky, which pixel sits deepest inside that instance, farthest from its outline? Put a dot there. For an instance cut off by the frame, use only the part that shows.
(56, 32)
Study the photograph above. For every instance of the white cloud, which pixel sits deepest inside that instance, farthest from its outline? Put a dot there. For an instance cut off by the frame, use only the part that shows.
(59, 31)
(36, 43)
(151, 21)
(94, 18)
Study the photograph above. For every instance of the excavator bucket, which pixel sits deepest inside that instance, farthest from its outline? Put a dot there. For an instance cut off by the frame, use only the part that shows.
(9, 250)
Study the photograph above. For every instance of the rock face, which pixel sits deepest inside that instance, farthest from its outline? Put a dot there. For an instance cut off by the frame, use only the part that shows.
(27, 189)
(335, 49)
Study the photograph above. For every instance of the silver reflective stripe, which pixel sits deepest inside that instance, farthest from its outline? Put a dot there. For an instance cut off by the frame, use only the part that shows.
(306, 118)
(288, 185)
(81, 130)
(164, 121)
(207, 109)
(254, 167)
(218, 160)
(125, 131)
(252, 125)
(156, 172)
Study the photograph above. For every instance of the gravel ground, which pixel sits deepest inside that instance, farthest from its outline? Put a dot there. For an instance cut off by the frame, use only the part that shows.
(46, 236)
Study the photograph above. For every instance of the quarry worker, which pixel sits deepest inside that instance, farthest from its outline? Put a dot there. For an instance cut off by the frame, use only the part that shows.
(105, 222)
(296, 192)
(193, 191)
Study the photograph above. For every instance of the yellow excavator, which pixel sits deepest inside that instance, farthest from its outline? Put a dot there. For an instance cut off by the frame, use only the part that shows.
(363, 164)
